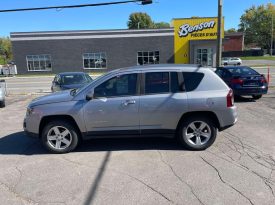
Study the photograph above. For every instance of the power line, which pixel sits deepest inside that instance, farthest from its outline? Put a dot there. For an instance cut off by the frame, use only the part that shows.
(144, 2)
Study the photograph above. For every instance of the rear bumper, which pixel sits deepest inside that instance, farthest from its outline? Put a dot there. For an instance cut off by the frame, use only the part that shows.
(228, 126)
(251, 91)
(227, 118)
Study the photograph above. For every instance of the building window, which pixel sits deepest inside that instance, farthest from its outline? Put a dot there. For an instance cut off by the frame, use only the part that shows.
(94, 60)
(41, 62)
(148, 57)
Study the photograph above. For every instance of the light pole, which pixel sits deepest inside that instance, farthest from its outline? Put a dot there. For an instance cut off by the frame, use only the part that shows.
(271, 44)
(219, 37)
(138, 24)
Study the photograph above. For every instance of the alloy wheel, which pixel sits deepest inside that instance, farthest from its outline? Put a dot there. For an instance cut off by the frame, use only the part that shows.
(198, 133)
(59, 137)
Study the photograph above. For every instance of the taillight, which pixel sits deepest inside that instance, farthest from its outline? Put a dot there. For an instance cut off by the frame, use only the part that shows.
(230, 98)
(263, 80)
(236, 81)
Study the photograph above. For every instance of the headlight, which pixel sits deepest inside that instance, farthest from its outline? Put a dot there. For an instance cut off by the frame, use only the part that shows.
(29, 111)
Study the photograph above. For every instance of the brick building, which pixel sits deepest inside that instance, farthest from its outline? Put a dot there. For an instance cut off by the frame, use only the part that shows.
(233, 42)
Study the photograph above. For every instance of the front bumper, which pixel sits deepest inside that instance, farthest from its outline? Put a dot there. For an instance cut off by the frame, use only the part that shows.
(31, 134)
(27, 132)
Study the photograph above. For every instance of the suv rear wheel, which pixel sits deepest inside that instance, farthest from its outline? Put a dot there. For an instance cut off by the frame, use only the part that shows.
(197, 133)
(59, 137)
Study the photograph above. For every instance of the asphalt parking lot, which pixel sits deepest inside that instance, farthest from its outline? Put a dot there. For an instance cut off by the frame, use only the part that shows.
(237, 169)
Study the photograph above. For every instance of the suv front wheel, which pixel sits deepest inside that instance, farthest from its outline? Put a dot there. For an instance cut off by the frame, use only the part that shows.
(59, 137)
(197, 133)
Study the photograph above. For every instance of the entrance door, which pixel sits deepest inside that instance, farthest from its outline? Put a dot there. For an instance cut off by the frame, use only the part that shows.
(204, 57)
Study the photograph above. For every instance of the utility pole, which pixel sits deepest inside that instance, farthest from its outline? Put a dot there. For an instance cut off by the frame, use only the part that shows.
(219, 37)
(271, 45)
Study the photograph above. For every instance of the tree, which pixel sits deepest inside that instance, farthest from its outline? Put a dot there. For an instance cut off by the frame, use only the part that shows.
(5, 50)
(256, 25)
(162, 25)
(231, 30)
(140, 20)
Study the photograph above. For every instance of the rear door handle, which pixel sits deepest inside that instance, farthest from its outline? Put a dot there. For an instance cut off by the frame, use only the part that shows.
(128, 102)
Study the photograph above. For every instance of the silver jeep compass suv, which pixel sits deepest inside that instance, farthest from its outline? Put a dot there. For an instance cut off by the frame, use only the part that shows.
(188, 102)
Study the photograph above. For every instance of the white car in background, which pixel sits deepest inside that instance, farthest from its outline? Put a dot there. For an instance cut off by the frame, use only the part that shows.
(231, 61)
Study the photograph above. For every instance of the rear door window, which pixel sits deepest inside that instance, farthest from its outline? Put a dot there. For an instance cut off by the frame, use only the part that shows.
(156, 82)
(192, 80)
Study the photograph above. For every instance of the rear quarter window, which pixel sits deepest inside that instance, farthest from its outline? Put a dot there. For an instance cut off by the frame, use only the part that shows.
(192, 80)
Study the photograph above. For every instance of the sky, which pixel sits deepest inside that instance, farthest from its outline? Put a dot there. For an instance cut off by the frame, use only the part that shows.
(112, 17)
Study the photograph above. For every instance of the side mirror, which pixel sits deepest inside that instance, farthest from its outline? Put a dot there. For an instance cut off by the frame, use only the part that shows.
(90, 95)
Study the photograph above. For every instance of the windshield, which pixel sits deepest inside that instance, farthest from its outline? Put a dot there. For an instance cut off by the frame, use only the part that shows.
(242, 71)
(75, 79)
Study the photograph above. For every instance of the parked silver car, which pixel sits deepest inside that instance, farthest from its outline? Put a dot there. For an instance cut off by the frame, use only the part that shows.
(2, 94)
(185, 101)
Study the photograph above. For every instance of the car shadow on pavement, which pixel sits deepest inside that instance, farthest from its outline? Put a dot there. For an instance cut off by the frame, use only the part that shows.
(119, 144)
(20, 144)
(241, 99)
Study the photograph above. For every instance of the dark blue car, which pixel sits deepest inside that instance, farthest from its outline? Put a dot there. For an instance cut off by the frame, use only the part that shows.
(70, 80)
(244, 81)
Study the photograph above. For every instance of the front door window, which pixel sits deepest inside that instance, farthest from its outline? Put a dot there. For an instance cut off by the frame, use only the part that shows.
(124, 85)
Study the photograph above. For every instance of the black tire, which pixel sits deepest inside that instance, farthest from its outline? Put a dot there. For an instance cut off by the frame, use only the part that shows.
(73, 137)
(184, 127)
(2, 104)
(225, 64)
(256, 97)
(238, 63)
(237, 97)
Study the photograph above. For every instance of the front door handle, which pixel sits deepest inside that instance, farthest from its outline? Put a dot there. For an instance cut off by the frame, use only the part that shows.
(128, 102)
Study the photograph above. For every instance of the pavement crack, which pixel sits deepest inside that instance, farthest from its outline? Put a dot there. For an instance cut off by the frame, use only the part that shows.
(229, 156)
(180, 179)
(150, 187)
(261, 158)
(267, 181)
(17, 195)
(225, 182)
(256, 160)
(136, 179)
(74, 162)
(20, 177)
